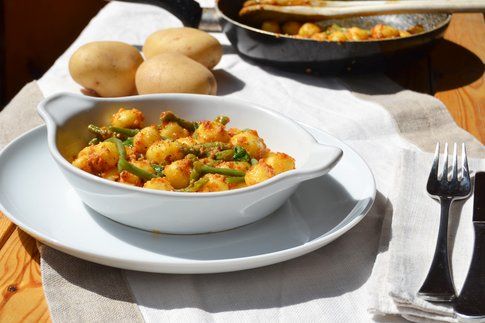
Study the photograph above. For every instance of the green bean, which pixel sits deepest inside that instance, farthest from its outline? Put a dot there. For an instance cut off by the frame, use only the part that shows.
(169, 116)
(195, 186)
(222, 119)
(226, 155)
(196, 169)
(101, 133)
(202, 169)
(212, 145)
(192, 157)
(240, 154)
(143, 174)
(237, 154)
(123, 164)
(204, 148)
(93, 141)
(119, 147)
(188, 150)
(254, 161)
(95, 129)
(235, 179)
(222, 171)
(194, 174)
(215, 144)
(124, 131)
(158, 169)
(128, 142)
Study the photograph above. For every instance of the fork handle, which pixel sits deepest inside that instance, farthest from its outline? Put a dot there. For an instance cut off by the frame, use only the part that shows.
(438, 285)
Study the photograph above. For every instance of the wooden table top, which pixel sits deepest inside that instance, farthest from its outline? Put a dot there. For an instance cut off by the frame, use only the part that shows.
(452, 72)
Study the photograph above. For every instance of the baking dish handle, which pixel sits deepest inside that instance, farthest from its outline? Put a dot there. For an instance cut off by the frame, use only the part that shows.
(56, 109)
(321, 160)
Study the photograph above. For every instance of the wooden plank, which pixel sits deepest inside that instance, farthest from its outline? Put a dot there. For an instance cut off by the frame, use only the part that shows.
(20, 283)
(6, 229)
(453, 72)
(468, 30)
(458, 77)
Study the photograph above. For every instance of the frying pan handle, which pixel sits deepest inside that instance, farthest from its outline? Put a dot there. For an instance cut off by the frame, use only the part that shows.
(188, 11)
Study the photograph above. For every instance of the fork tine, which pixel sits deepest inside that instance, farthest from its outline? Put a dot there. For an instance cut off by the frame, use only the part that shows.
(464, 160)
(444, 172)
(436, 160)
(454, 167)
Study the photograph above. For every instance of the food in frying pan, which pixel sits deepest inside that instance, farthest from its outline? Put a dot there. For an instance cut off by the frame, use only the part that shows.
(338, 33)
(280, 17)
(106, 68)
(179, 155)
(172, 72)
(193, 43)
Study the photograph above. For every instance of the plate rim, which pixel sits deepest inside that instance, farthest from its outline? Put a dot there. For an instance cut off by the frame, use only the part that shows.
(193, 266)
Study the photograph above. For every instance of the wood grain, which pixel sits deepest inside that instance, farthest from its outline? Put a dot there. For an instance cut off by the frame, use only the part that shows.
(466, 103)
(6, 229)
(453, 72)
(20, 282)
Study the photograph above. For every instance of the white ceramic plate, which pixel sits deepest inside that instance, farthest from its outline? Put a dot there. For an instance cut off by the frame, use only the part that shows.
(35, 195)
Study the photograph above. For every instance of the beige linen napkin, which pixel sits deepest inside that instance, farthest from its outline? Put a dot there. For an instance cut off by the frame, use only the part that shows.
(20, 115)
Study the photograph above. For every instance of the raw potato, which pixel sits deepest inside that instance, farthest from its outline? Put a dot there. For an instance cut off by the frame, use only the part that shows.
(106, 67)
(193, 43)
(174, 73)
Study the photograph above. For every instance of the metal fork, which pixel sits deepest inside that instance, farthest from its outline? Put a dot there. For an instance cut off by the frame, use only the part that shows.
(438, 286)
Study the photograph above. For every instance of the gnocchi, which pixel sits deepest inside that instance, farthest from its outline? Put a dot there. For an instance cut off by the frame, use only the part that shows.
(124, 118)
(145, 138)
(179, 155)
(336, 33)
(250, 141)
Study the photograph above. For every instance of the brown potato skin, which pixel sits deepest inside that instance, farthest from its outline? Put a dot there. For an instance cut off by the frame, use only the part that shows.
(174, 73)
(106, 67)
(193, 43)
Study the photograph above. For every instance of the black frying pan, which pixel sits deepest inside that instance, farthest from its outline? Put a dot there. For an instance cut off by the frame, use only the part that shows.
(304, 54)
